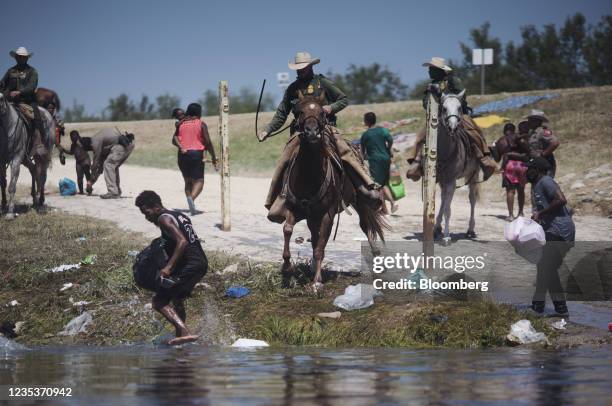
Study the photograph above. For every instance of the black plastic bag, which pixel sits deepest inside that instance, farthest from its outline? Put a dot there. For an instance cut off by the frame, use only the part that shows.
(148, 265)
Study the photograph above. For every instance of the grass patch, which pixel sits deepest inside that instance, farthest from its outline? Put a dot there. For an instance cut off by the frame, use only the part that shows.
(278, 310)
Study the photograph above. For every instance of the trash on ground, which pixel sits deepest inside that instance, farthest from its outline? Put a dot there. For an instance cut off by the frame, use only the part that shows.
(132, 253)
(357, 297)
(89, 259)
(18, 326)
(559, 325)
(527, 237)
(80, 304)
(148, 306)
(233, 268)
(331, 315)
(202, 285)
(513, 102)
(299, 240)
(237, 291)
(66, 286)
(82, 239)
(522, 332)
(14, 303)
(77, 325)
(249, 343)
(490, 120)
(67, 187)
(64, 267)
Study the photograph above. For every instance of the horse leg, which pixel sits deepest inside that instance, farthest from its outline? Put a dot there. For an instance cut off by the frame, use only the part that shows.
(41, 172)
(28, 164)
(325, 228)
(449, 193)
(473, 197)
(287, 232)
(3, 187)
(314, 227)
(15, 166)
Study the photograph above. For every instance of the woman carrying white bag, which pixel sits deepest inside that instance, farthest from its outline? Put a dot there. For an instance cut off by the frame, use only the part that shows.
(551, 211)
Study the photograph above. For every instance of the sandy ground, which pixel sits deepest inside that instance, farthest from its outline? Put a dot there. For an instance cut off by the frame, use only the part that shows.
(253, 235)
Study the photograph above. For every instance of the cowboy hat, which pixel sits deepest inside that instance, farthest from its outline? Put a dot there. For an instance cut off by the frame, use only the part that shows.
(302, 60)
(537, 114)
(21, 51)
(439, 63)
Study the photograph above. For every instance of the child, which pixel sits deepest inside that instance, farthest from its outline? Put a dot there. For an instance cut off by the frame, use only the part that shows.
(78, 148)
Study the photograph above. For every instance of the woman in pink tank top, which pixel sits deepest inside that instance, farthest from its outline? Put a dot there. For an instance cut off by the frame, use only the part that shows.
(192, 139)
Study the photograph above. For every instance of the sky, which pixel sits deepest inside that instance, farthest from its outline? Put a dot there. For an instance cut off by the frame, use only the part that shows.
(90, 51)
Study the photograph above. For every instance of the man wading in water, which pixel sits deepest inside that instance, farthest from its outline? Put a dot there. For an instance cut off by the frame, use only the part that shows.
(186, 266)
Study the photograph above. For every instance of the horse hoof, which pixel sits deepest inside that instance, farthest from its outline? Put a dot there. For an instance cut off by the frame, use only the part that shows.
(470, 234)
(446, 241)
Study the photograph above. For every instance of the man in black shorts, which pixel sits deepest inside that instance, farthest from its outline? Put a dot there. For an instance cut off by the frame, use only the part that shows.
(186, 266)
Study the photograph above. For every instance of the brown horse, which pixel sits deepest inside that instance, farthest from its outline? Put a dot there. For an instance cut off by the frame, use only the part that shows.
(315, 186)
(45, 96)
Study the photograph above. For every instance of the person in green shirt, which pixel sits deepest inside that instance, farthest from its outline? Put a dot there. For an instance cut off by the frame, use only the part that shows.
(310, 84)
(19, 84)
(376, 145)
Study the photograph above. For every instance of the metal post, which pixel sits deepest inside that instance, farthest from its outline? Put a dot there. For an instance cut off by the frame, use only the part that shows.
(430, 151)
(224, 138)
(482, 78)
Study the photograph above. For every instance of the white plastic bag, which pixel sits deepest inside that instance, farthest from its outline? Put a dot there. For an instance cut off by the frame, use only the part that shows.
(356, 297)
(522, 332)
(249, 343)
(527, 237)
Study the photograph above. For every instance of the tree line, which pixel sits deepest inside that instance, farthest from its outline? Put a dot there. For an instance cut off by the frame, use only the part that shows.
(573, 55)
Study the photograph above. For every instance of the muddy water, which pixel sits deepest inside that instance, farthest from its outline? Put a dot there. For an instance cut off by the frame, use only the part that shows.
(214, 375)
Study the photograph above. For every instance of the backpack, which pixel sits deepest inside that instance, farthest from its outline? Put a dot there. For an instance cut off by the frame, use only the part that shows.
(148, 265)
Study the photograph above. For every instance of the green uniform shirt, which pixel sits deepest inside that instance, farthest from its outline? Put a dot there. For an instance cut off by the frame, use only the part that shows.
(450, 83)
(309, 87)
(22, 78)
(376, 143)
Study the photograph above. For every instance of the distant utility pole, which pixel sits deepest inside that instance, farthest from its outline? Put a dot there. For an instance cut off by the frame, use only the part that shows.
(482, 57)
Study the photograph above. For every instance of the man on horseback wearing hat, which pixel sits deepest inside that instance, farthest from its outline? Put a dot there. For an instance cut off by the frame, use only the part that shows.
(442, 76)
(311, 84)
(19, 86)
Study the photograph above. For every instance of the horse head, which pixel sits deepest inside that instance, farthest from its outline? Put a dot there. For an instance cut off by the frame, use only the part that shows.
(311, 117)
(452, 110)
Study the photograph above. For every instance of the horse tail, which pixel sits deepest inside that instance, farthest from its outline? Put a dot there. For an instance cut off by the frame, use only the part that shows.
(371, 221)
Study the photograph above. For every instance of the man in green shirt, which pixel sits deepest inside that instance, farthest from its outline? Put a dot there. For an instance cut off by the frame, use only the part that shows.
(375, 145)
(442, 75)
(19, 84)
(311, 84)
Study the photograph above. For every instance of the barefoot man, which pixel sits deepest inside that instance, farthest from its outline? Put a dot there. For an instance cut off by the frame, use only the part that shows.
(186, 266)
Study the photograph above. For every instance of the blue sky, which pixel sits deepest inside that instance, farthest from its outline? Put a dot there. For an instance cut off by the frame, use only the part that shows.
(91, 51)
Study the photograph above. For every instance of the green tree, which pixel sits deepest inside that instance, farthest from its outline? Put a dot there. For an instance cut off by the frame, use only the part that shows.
(243, 102)
(165, 104)
(370, 84)
(76, 114)
(598, 52)
(120, 108)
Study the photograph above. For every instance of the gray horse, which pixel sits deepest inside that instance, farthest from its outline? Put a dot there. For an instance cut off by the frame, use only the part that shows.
(17, 141)
(455, 161)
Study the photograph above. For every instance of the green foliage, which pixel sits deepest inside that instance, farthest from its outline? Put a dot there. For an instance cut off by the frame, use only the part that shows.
(76, 114)
(371, 84)
(245, 101)
(575, 54)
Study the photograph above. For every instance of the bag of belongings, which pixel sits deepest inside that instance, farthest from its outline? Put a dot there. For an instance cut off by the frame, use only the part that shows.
(148, 264)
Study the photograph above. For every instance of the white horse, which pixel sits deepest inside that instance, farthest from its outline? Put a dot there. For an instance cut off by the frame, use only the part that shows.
(17, 141)
(455, 161)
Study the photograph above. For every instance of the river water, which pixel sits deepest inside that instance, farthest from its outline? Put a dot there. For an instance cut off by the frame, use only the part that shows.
(150, 375)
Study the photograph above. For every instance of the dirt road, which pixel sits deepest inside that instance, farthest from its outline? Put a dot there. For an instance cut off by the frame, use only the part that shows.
(253, 235)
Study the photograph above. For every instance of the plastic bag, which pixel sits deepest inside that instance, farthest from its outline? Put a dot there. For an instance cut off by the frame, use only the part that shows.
(249, 343)
(67, 187)
(396, 184)
(527, 237)
(356, 297)
(148, 265)
(237, 291)
(522, 332)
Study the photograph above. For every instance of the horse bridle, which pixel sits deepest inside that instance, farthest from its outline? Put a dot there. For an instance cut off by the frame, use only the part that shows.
(445, 116)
